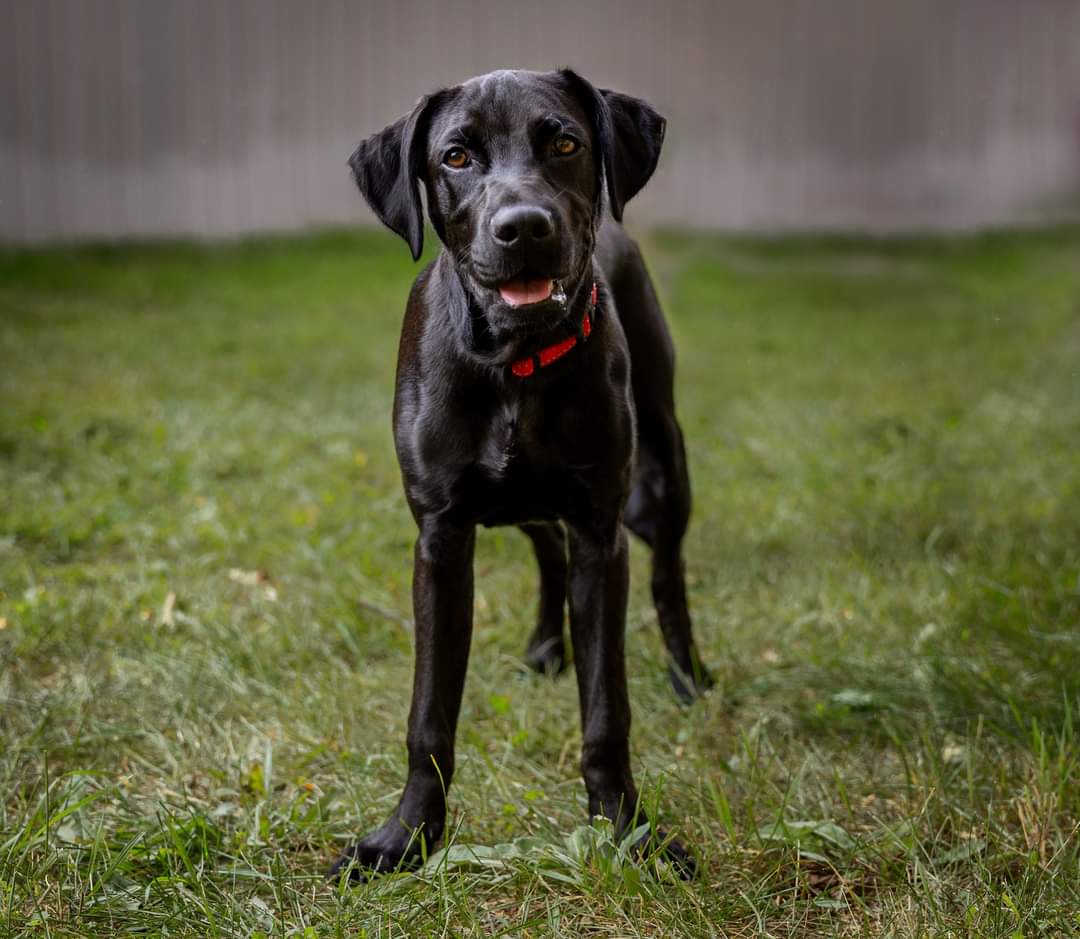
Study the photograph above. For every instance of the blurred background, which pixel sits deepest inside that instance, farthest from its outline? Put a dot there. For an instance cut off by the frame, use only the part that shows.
(148, 117)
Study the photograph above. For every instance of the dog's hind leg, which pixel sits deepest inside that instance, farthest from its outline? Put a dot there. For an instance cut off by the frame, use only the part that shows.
(546, 652)
(657, 512)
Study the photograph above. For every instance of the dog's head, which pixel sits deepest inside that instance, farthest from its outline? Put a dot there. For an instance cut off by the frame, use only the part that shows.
(514, 166)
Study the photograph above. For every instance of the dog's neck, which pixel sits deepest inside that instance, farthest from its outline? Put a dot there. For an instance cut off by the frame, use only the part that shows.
(481, 343)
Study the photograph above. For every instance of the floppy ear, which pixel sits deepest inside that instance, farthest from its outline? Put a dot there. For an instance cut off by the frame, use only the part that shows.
(637, 133)
(388, 166)
(630, 134)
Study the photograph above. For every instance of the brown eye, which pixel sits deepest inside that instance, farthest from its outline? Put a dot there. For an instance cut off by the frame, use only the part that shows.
(564, 145)
(456, 157)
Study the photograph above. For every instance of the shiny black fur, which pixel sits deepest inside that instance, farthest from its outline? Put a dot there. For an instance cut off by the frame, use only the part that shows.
(571, 454)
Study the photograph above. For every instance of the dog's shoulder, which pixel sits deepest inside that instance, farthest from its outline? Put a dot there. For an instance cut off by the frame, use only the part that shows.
(427, 290)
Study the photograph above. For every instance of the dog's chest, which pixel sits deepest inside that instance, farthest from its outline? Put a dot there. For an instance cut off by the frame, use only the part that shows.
(504, 447)
(519, 475)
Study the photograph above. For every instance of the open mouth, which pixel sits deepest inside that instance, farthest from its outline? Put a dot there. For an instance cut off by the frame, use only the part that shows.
(526, 288)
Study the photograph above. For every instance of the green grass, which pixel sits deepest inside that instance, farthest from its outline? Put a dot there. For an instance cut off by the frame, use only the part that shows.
(884, 567)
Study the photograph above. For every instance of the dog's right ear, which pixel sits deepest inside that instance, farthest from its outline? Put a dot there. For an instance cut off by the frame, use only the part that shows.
(629, 134)
(388, 167)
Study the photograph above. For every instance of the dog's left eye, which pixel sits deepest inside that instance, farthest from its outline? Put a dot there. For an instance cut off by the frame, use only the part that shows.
(456, 157)
(564, 145)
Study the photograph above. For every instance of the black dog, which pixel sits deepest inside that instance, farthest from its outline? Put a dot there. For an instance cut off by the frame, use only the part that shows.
(516, 404)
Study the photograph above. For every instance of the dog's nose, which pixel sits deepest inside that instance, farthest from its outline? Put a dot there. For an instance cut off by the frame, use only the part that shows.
(522, 224)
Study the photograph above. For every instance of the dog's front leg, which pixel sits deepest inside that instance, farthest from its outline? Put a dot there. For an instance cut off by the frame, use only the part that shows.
(442, 606)
(599, 575)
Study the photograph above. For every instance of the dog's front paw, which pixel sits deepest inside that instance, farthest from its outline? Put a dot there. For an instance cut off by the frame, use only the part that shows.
(659, 846)
(392, 848)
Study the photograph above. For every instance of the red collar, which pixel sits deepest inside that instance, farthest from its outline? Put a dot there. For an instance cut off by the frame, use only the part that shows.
(523, 368)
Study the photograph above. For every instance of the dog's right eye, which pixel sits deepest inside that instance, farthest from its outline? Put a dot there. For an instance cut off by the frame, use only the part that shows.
(565, 145)
(456, 157)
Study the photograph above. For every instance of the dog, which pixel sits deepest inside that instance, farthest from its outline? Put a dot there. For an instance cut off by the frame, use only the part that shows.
(534, 388)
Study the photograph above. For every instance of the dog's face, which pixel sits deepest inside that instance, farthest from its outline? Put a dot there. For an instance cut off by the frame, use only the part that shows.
(512, 190)
(514, 165)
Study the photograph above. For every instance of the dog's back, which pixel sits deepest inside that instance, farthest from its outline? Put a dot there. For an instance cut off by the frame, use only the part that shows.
(652, 353)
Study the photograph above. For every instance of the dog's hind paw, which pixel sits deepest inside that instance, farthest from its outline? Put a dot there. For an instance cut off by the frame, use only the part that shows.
(547, 657)
(689, 686)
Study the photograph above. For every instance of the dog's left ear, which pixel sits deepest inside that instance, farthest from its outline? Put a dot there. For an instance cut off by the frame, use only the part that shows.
(630, 134)
(388, 167)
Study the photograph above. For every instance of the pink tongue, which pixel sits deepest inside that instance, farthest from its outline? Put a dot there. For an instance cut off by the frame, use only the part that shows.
(526, 290)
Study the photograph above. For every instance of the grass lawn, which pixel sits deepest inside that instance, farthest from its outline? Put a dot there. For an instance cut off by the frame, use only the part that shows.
(205, 559)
